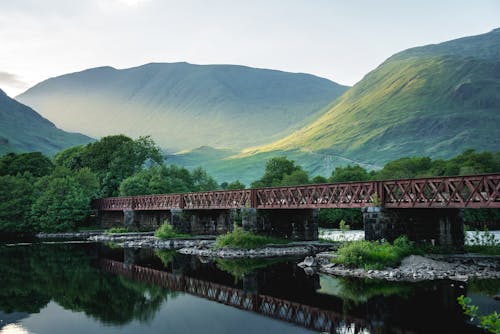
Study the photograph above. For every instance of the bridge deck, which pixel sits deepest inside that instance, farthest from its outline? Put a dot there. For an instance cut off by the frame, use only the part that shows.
(471, 191)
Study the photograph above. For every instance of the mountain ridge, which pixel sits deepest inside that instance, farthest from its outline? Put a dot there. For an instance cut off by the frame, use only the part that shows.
(22, 129)
(183, 105)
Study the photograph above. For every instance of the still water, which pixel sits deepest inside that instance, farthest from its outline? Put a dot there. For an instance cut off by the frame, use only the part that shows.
(92, 288)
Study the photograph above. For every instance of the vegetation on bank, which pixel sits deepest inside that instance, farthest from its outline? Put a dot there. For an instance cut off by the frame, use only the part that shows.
(482, 242)
(374, 254)
(240, 238)
(115, 230)
(166, 231)
(489, 322)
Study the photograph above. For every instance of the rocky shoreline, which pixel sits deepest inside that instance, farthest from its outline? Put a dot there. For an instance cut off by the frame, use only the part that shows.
(460, 267)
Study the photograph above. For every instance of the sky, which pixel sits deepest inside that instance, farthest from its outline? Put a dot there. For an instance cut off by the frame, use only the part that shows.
(334, 39)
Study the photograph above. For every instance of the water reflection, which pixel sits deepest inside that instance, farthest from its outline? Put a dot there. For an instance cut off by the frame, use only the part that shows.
(155, 291)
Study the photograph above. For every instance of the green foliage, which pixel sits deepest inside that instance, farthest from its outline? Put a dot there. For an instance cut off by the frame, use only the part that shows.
(319, 179)
(280, 171)
(374, 254)
(202, 181)
(235, 185)
(16, 197)
(334, 216)
(34, 163)
(166, 179)
(62, 199)
(166, 256)
(343, 226)
(349, 173)
(114, 230)
(166, 231)
(240, 238)
(490, 322)
(112, 159)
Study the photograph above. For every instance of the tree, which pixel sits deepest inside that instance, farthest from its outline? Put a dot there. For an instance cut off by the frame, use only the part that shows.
(407, 167)
(235, 185)
(295, 178)
(113, 159)
(16, 196)
(202, 181)
(319, 179)
(34, 163)
(349, 173)
(276, 169)
(62, 199)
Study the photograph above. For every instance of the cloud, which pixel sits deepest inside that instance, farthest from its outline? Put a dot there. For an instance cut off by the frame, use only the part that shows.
(12, 80)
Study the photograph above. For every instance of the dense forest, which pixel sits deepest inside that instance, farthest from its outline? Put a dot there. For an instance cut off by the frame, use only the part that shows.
(38, 193)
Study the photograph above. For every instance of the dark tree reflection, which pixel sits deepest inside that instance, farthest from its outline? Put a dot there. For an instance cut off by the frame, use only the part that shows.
(33, 275)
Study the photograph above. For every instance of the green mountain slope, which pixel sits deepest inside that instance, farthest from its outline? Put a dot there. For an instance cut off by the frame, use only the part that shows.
(24, 130)
(183, 106)
(433, 100)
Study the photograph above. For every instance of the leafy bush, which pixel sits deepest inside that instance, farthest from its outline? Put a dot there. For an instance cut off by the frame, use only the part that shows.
(374, 254)
(490, 322)
(166, 231)
(117, 230)
(240, 238)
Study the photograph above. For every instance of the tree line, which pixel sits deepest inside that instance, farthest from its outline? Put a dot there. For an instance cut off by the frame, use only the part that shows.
(38, 193)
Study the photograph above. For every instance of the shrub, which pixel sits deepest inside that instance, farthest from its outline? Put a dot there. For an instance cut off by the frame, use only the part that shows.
(240, 238)
(117, 230)
(166, 231)
(374, 254)
(490, 322)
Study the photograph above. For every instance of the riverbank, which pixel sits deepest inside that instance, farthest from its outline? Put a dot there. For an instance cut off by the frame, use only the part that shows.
(197, 245)
(414, 268)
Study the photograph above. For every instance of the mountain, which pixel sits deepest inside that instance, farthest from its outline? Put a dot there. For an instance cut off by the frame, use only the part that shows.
(184, 106)
(434, 100)
(23, 130)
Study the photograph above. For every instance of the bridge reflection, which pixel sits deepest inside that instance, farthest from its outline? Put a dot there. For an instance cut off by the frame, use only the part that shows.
(300, 314)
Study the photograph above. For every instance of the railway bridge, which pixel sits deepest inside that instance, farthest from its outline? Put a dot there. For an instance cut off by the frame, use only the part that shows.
(425, 209)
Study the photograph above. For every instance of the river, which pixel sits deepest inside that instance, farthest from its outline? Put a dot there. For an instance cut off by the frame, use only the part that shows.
(92, 288)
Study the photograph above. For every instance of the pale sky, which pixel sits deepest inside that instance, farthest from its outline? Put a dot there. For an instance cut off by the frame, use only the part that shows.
(337, 39)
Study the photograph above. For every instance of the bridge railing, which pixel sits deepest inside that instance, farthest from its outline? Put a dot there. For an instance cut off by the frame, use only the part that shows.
(471, 191)
(337, 195)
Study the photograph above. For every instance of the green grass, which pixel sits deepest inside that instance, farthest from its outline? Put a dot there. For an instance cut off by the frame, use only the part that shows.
(114, 230)
(483, 249)
(374, 254)
(166, 231)
(240, 238)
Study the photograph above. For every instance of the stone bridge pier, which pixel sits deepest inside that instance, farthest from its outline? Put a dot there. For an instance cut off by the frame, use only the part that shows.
(439, 227)
(295, 224)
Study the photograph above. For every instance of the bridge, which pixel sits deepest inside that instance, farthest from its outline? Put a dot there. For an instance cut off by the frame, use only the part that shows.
(390, 207)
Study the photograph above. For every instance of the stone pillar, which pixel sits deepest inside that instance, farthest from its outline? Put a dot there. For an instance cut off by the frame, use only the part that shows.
(177, 220)
(129, 219)
(440, 227)
(249, 219)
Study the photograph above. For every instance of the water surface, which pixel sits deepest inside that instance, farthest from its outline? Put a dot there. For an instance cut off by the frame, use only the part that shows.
(92, 288)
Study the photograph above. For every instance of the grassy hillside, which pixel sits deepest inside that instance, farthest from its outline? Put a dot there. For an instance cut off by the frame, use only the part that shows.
(24, 130)
(224, 165)
(183, 106)
(434, 100)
